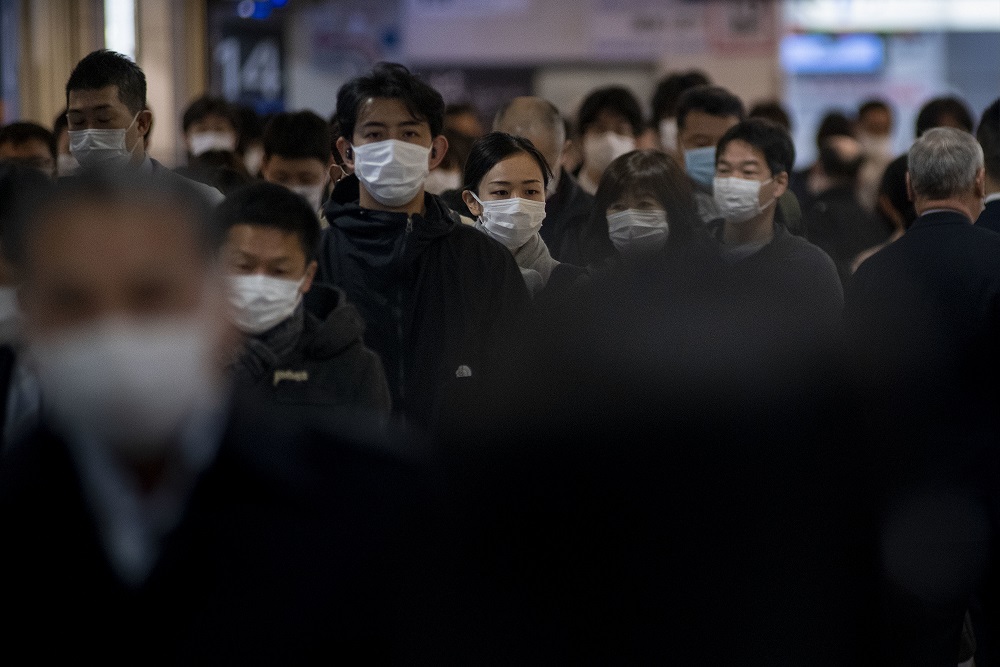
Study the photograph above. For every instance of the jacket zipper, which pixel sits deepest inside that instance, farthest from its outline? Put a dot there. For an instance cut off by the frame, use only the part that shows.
(400, 346)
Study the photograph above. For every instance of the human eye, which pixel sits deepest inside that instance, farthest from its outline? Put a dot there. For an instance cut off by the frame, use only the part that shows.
(500, 194)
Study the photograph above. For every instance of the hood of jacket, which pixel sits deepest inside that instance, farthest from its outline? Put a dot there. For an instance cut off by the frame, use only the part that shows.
(332, 325)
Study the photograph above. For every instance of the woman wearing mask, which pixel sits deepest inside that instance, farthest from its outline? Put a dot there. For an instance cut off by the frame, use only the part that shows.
(505, 179)
(644, 212)
(609, 121)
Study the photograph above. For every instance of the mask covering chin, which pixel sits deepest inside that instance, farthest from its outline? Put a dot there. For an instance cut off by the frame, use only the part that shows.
(102, 147)
(638, 233)
(738, 199)
(262, 302)
(392, 171)
(512, 221)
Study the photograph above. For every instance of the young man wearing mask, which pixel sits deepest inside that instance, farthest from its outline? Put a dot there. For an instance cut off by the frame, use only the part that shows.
(297, 155)
(441, 300)
(108, 118)
(874, 132)
(609, 122)
(294, 357)
(768, 265)
(155, 491)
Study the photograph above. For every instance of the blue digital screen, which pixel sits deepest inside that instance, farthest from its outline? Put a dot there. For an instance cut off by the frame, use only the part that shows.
(832, 54)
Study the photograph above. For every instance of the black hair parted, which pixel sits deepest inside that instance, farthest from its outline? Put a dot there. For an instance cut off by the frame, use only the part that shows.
(206, 106)
(263, 204)
(22, 131)
(988, 135)
(295, 135)
(104, 68)
(496, 147)
(615, 99)
(941, 109)
(389, 81)
(766, 136)
(712, 100)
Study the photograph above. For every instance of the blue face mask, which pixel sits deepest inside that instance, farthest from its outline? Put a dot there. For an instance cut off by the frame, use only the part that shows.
(700, 165)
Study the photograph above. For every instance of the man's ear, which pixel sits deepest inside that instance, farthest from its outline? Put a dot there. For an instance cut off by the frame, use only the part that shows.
(346, 152)
(307, 280)
(780, 184)
(470, 201)
(439, 148)
(981, 183)
(143, 122)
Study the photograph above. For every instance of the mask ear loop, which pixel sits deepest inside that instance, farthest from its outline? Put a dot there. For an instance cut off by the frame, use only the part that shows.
(134, 119)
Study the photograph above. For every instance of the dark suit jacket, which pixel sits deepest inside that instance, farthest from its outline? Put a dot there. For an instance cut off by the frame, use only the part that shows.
(990, 217)
(283, 555)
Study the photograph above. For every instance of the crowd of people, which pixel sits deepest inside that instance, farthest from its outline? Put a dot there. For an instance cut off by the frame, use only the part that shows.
(397, 388)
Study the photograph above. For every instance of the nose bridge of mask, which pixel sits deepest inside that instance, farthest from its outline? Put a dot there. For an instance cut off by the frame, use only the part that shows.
(518, 209)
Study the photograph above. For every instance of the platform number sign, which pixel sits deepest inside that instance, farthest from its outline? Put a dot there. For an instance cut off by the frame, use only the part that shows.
(248, 68)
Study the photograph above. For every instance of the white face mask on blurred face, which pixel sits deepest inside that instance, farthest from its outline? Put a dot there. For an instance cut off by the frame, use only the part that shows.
(262, 302)
(638, 233)
(440, 180)
(601, 150)
(102, 147)
(311, 193)
(131, 384)
(878, 146)
(668, 134)
(202, 142)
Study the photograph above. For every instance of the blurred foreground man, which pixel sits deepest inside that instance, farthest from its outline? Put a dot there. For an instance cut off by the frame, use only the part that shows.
(156, 516)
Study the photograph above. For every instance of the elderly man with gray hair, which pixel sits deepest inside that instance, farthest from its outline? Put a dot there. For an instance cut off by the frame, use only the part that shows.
(924, 317)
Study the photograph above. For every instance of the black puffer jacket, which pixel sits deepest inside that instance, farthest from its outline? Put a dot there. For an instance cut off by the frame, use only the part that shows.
(316, 365)
(442, 302)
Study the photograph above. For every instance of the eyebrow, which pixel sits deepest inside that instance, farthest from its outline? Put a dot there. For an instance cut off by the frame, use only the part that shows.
(525, 182)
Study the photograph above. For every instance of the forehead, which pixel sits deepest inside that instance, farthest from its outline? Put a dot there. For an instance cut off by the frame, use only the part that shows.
(387, 110)
(515, 168)
(89, 98)
(263, 240)
(738, 151)
(697, 121)
(278, 162)
(28, 148)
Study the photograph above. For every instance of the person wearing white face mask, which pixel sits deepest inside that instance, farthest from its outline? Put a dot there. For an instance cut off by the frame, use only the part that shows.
(295, 357)
(506, 178)
(753, 161)
(874, 132)
(297, 155)
(609, 121)
(440, 299)
(108, 118)
(163, 490)
(209, 124)
(664, 106)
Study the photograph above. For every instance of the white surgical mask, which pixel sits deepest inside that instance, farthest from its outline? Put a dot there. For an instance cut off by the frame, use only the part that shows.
(129, 384)
(203, 142)
(312, 194)
(601, 150)
(439, 181)
(101, 147)
(261, 302)
(66, 165)
(253, 158)
(511, 221)
(392, 171)
(636, 232)
(738, 199)
(876, 146)
(668, 134)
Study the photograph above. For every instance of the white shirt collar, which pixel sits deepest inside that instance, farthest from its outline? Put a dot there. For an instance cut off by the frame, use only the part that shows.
(992, 197)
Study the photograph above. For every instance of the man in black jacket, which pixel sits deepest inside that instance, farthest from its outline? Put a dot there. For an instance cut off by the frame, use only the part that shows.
(988, 135)
(924, 313)
(173, 521)
(295, 357)
(441, 300)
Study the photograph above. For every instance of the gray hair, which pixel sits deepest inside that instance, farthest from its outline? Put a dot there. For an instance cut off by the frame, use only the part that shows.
(944, 163)
(526, 115)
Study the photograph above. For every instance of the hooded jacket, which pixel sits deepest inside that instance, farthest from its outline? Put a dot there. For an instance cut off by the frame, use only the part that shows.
(316, 364)
(441, 300)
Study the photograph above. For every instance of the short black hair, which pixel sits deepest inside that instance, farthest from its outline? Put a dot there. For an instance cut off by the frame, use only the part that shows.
(264, 204)
(495, 147)
(205, 106)
(111, 185)
(874, 105)
(934, 113)
(669, 90)
(834, 124)
(988, 135)
(389, 81)
(766, 136)
(108, 68)
(22, 131)
(712, 100)
(616, 99)
(771, 110)
(300, 134)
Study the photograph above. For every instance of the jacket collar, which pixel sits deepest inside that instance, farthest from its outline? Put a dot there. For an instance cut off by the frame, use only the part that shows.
(940, 217)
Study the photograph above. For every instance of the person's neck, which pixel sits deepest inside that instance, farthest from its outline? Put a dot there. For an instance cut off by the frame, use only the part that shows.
(756, 230)
(415, 207)
(992, 185)
(593, 175)
(137, 159)
(968, 206)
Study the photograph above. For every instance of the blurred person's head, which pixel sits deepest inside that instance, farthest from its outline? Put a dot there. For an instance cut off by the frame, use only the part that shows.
(539, 121)
(106, 110)
(874, 129)
(251, 138)
(834, 124)
(464, 119)
(609, 121)
(644, 206)
(840, 160)
(944, 112)
(988, 135)
(504, 187)
(297, 154)
(754, 160)
(893, 203)
(945, 169)
(124, 311)
(447, 176)
(390, 126)
(29, 145)
(664, 103)
(272, 237)
(19, 186)
(771, 110)
(210, 124)
(704, 114)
